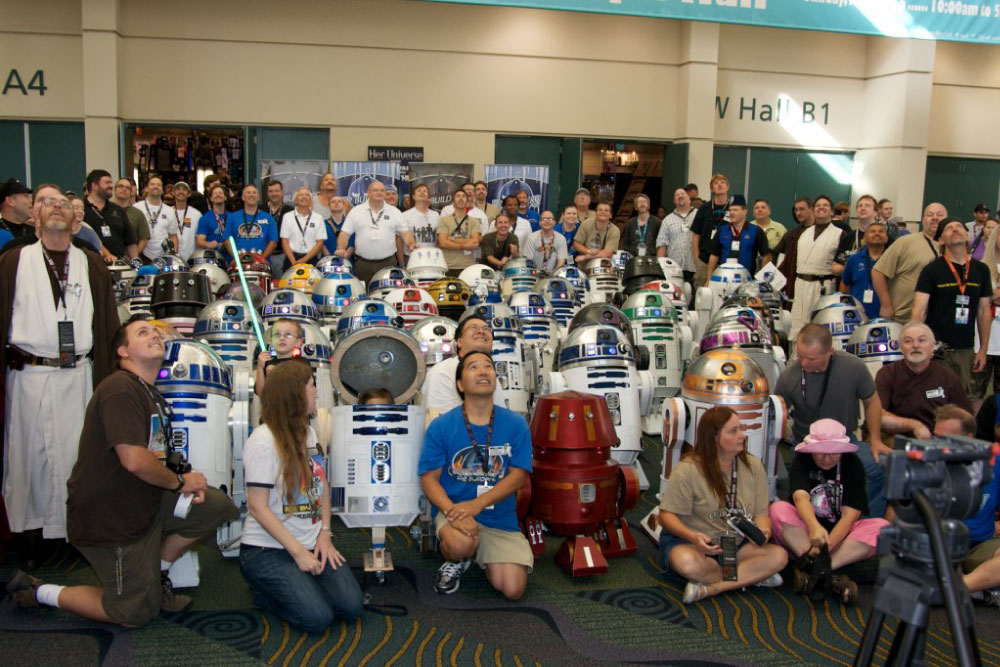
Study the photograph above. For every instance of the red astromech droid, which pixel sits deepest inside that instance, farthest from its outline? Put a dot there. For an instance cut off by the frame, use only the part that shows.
(577, 489)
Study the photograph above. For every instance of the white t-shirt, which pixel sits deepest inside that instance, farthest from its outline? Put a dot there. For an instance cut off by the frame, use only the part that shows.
(439, 391)
(545, 255)
(162, 223)
(522, 230)
(375, 233)
(262, 468)
(302, 232)
(423, 226)
(187, 229)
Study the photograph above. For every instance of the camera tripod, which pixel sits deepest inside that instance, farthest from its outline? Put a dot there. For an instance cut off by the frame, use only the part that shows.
(920, 575)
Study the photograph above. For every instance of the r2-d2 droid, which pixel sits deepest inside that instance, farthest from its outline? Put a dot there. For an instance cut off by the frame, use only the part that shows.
(563, 297)
(605, 280)
(877, 342)
(139, 294)
(375, 449)
(387, 279)
(772, 299)
(540, 327)
(722, 377)
(841, 319)
(196, 384)
(334, 264)
(519, 275)
(657, 329)
(725, 280)
(514, 364)
(289, 304)
(578, 279)
(334, 293)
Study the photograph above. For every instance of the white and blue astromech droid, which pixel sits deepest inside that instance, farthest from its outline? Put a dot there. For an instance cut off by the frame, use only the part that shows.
(841, 319)
(877, 342)
(725, 280)
(519, 275)
(721, 377)
(334, 264)
(605, 280)
(289, 304)
(335, 292)
(139, 295)
(387, 279)
(564, 299)
(540, 327)
(578, 279)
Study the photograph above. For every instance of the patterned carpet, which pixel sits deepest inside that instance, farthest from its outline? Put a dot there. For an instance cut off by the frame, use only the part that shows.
(631, 615)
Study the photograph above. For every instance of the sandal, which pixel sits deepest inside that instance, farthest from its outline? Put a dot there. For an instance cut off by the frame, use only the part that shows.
(845, 590)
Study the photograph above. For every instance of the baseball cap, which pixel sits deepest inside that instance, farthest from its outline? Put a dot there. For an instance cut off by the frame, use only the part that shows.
(583, 190)
(13, 187)
(981, 208)
(182, 184)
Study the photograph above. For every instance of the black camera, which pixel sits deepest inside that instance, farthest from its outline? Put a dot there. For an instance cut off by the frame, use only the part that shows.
(747, 529)
(175, 461)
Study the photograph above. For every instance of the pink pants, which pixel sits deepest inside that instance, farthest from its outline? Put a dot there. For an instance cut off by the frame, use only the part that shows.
(864, 530)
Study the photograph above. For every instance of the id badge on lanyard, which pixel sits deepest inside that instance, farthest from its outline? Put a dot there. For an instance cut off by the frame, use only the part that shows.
(961, 309)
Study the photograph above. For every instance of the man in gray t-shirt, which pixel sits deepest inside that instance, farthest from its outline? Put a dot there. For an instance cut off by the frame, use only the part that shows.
(834, 382)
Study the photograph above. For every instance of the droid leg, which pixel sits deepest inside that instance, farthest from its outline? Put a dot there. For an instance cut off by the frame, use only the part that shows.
(378, 559)
(616, 539)
(643, 480)
(581, 556)
(535, 532)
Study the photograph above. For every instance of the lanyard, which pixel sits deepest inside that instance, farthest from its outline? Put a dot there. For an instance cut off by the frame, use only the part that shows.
(180, 217)
(302, 225)
(546, 249)
(96, 210)
(641, 229)
(220, 222)
(62, 280)
(731, 498)
(962, 284)
(276, 214)
(931, 246)
(248, 224)
(163, 410)
(826, 383)
(374, 218)
(736, 234)
(153, 217)
(459, 224)
(484, 455)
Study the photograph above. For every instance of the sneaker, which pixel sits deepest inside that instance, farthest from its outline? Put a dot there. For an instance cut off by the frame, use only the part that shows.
(170, 601)
(449, 576)
(694, 592)
(22, 588)
(773, 581)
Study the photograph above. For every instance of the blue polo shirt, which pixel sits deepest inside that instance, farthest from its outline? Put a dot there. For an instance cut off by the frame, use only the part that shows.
(981, 524)
(208, 226)
(858, 276)
(251, 232)
(568, 236)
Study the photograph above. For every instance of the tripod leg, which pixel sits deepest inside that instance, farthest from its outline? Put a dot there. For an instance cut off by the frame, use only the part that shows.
(866, 651)
(912, 645)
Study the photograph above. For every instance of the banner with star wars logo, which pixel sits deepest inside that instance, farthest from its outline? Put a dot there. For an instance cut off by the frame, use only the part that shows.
(353, 178)
(441, 178)
(507, 179)
(293, 174)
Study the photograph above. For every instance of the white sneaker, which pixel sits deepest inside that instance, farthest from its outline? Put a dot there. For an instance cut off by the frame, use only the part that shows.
(449, 576)
(773, 581)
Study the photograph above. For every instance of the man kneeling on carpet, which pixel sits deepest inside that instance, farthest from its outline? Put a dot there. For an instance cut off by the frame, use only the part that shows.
(823, 529)
(714, 514)
(287, 553)
(474, 459)
(121, 498)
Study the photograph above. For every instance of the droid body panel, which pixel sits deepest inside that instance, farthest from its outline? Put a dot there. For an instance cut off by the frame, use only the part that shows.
(721, 377)
(678, 298)
(335, 292)
(139, 294)
(169, 262)
(178, 298)
(427, 265)
(436, 337)
(577, 490)
(334, 264)
(876, 342)
(540, 327)
(203, 256)
(725, 280)
(604, 279)
(657, 329)
(122, 274)
(519, 275)
(256, 269)
(563, 297)
(514, 364)
(226, 326)
(639, 271)
(376, 353)
(302, 277)
(745, 328)
(387, 279)
(412, 303)
(290, 304)
(451, 296)
(841, 319)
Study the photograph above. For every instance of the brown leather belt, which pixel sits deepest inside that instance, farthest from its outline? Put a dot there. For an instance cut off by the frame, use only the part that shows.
(17, 359)
(813, 279)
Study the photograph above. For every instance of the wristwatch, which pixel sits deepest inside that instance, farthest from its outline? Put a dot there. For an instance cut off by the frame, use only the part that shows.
(180, 482)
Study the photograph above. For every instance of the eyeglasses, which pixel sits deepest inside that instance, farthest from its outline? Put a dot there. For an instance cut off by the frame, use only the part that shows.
(478, 327)
(288, 334)
(56, 202)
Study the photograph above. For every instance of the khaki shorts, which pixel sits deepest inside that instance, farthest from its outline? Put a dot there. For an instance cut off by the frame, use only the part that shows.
(496, 546)
(700, 274)
(980, 553)
(130, 574)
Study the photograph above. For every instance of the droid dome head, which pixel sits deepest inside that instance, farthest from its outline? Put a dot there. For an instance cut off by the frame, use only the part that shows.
(334, 264)
(225, 316)
(388, 279)
(500, 316)
(207, 256)
(557, 289)
(480, 273)
(762, 290)
(639, 271)
(573, 274)
(450, 293)
(596, 345)
(601, 266)
(427, 265)
(217, 277)
(412, 304)
(737, 326)
(336, 291)
(671, 270)
(671, 290)
(837, 298)
(520, 266)
(289, 303)
(725, 376)
(189, 365)
(234, 291)
(740, 301)
(436, 337)
(170, 262)
(530, 305)
(647, 304)
(302, 277)
(876, 341)
(256, 268)
(367, 312)
(602, 313)
(841, 319)
(730, 274)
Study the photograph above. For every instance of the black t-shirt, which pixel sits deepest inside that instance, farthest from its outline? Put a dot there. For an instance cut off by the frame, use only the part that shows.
(986, 419)
(706, 222)
(106, 504)
(938, 280)
(805, 475)
(112, 226)
(18, 229)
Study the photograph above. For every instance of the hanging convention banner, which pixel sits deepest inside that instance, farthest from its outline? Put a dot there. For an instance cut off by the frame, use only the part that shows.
(293, 174)
(353, 178)
(507, 179)
(954, 20)
(441, 178)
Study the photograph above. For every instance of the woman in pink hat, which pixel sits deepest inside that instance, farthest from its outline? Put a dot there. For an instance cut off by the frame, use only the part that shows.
(718, 492)
(828, 486)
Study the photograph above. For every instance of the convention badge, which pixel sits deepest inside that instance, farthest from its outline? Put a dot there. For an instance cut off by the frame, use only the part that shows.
(868, 297)
(961, 315)
(734, 246)
(67, 346)
(642, 250)
(481, 489)
(962, 300)
(376, 234)
(105, 230)
(935, 393)
(728, 558)
(157, 437)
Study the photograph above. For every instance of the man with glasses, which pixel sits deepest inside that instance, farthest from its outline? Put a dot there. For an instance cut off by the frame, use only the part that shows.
(58, 318)
(374, 225)
(545, 248)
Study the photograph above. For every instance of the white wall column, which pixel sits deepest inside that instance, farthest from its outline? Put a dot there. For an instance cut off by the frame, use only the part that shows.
(697, 78)
(101, 118)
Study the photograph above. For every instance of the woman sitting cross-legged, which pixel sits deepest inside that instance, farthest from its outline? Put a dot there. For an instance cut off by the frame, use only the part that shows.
(287, 553)
(827, 482)
(716, 486)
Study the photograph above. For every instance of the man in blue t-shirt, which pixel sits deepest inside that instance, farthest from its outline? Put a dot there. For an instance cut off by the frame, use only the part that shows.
(474, 460)
(981, 566)
(211, 231)
(857, 277)
(252, 229)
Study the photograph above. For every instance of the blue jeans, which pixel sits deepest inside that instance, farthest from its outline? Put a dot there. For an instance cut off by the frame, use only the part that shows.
(308, 602)
(875, 474)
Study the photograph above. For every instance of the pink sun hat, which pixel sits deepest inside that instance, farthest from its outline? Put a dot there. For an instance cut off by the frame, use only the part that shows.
(827, 436)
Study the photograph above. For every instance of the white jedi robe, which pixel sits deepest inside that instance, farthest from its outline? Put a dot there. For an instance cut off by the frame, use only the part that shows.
(814, 258)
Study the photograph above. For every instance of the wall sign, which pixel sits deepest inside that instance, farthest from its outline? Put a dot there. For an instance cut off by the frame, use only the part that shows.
(14, 83)
(402, 154)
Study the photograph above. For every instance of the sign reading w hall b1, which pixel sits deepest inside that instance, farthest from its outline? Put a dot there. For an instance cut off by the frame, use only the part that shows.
(783, 109)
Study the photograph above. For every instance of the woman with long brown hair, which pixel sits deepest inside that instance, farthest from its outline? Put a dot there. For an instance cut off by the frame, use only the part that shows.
(712, 495)
(287, 553)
